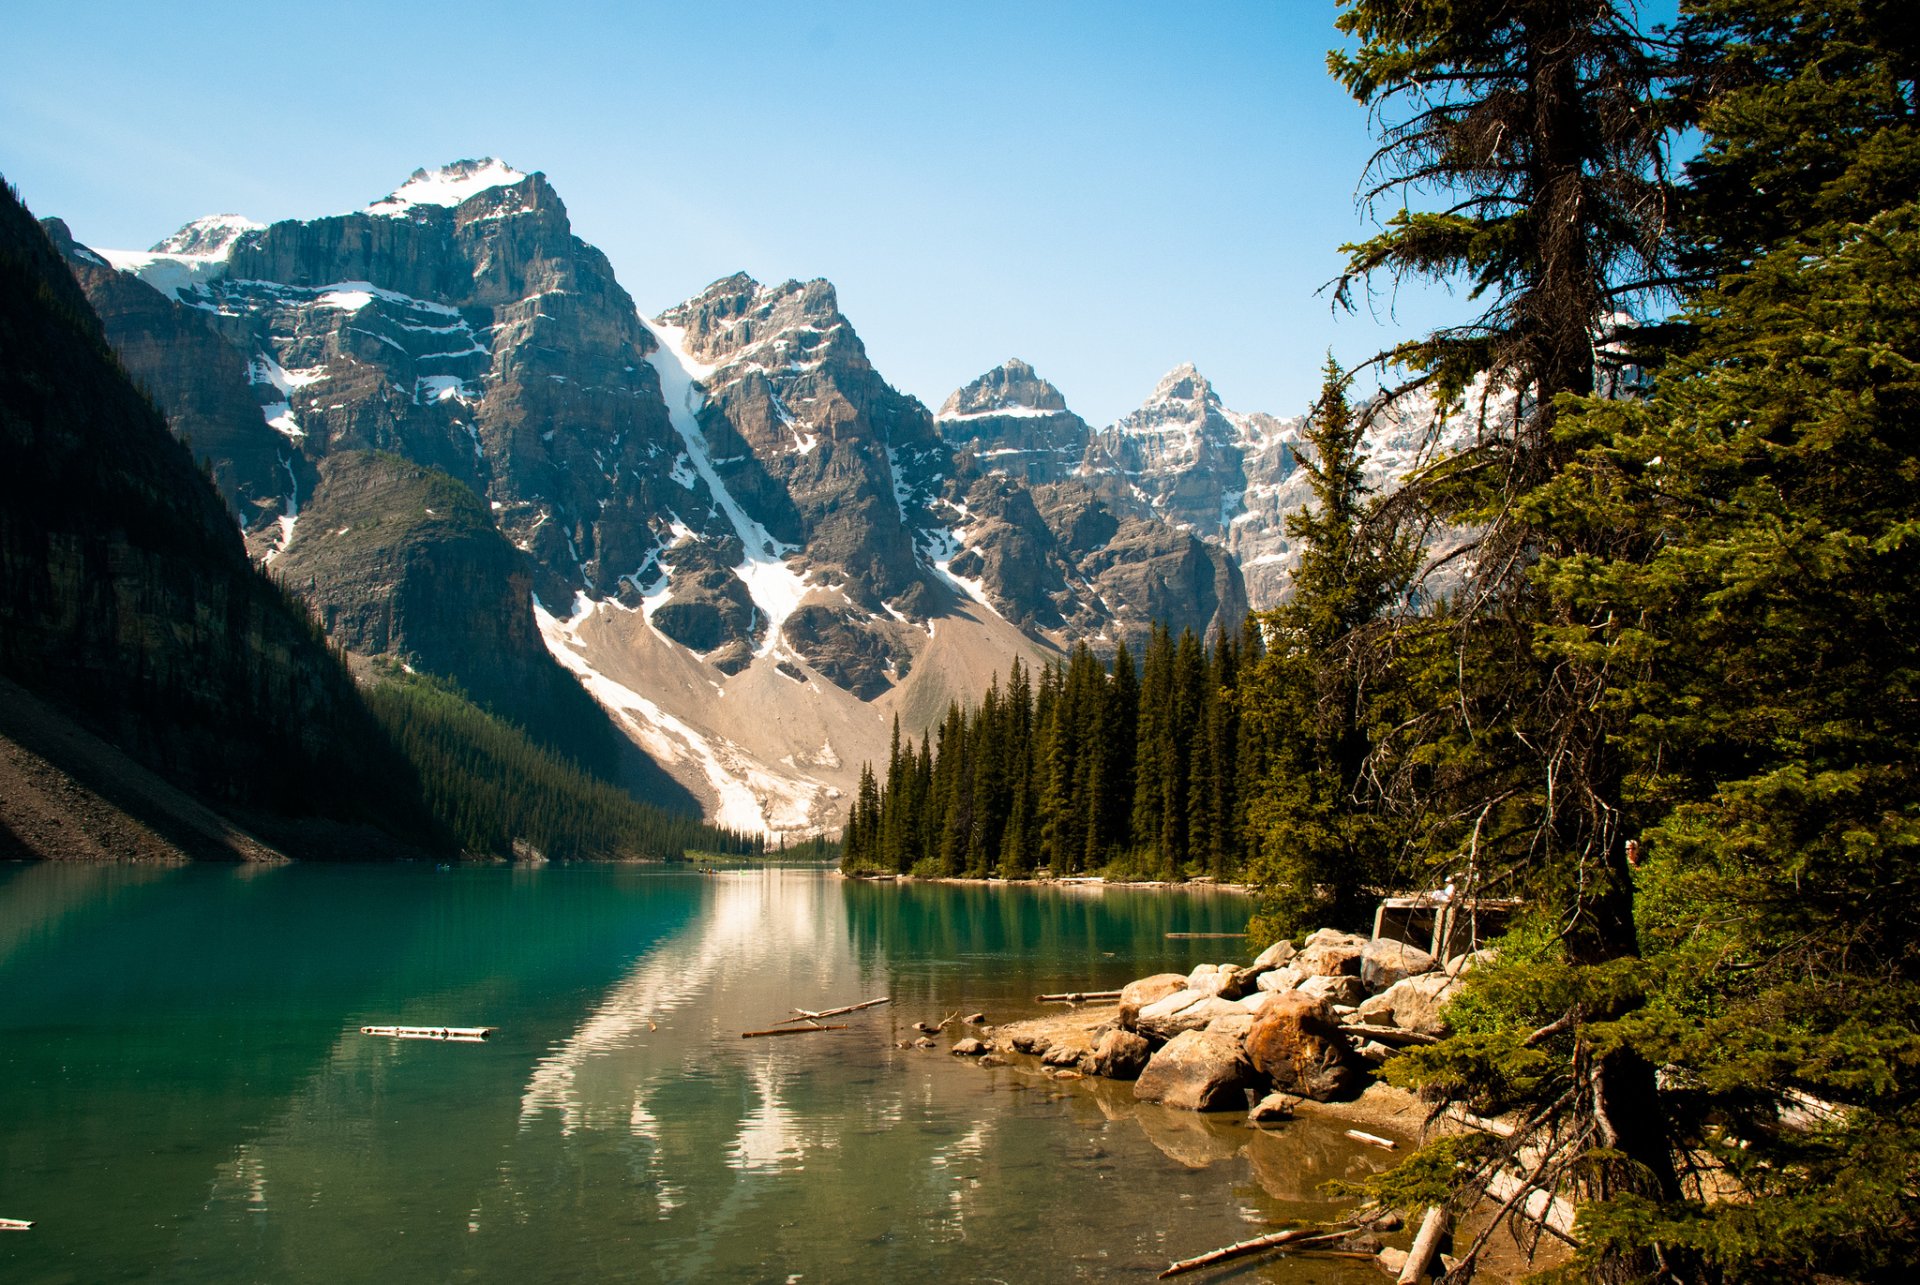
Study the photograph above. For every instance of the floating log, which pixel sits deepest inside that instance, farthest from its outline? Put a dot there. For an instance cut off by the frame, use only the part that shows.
(1373, 1139)
(15, 1224)
(789, 1030)
(808, 1015)
(1075, 997)
(1271, 1241)
(466, 1033)
(1425, 1245)
(1390, 1034)
(1203, 936)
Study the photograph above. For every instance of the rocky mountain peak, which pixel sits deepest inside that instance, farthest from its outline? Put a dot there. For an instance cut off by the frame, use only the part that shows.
(1182, 389)
(212, 236)
(792, 326)
(1011, 388)
(449, 185)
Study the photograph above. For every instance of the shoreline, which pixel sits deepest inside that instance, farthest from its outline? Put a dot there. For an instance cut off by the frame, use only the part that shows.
(1093, 883)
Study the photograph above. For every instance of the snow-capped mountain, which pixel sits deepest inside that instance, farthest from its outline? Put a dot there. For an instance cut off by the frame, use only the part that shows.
(746, 543)
(1228, 477)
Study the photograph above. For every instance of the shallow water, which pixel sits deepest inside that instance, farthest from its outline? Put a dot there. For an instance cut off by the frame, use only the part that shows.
(185, 1094)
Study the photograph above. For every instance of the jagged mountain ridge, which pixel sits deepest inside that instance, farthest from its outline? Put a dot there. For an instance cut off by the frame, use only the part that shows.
(1227, 477)
(726, 499)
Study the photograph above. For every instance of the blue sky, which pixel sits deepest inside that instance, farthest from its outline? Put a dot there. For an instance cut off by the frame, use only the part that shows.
(1103, 189)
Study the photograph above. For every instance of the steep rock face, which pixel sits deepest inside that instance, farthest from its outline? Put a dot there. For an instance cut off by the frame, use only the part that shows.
(461, 324)
(402, 561)
(126, 599)
(1186, 452)
(1012, 421)
(1057, 537)
(200, 379)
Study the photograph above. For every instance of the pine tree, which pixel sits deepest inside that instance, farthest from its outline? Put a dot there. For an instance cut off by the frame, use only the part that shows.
(1540, 121)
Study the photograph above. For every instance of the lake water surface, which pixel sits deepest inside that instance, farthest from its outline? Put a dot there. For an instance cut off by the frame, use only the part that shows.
(185, 1094)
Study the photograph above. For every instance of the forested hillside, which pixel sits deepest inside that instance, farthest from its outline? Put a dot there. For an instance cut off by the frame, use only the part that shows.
(499, 792)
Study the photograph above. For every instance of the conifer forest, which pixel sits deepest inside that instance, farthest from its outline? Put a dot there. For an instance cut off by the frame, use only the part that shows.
(1642, 656)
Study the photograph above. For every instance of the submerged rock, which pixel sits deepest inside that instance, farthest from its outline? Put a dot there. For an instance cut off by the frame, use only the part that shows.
(1272, 1109)
(968, 1047)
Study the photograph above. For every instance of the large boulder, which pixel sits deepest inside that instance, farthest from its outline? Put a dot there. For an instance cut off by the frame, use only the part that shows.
(1195, 1071)
(1340, 988)
(1417, 1002)
(1385, 962)
(1297, 1044)
(1072, 1049)
(1216, 979)
(1161, 1024)
(1277, 955)
(1136, 995)
(1120, 1055)
(1257, 1001)
(1280, 979)
(1330, 953)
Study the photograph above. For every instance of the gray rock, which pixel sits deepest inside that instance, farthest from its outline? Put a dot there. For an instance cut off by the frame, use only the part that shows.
(1196, 1072)
(1375, 1010)
(1417, 1002)
(1072, 1050)
(1273, 1109)
(1385, 962)
(968, 1047)
(1190, 1017)
(1032, 1042)
(1465, 964)
(1136, 995)
(1257, 1001)
(1232, 1025)
(1120, 1055)
(1281, 979)
(1215, 979)
(1277, 955)
(1331, 953)
(1339, 988)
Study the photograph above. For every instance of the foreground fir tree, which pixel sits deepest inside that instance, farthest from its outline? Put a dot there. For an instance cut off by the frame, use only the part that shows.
(1323, 850)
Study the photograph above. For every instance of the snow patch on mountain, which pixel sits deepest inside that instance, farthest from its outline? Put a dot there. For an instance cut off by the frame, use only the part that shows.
(209, 237)
(449, 185)
(181, 277)
(750, 798)
(775, 587)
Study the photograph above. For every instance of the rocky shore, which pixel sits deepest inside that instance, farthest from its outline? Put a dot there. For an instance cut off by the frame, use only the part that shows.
(1298, 1031)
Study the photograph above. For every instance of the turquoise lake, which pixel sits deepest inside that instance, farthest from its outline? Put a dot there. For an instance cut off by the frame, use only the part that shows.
(185, 1094)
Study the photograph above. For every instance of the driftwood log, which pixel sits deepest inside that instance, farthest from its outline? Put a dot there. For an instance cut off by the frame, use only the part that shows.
(1075, 997)
(808, 1015)
(1425, 1245)
(1296, 1238)
(789, 1030)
